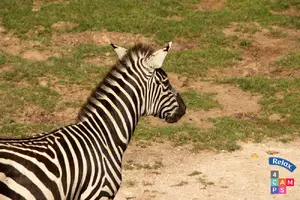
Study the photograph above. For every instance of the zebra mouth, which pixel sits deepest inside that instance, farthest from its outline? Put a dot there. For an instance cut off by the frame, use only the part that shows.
(172, 118)
(179, 112)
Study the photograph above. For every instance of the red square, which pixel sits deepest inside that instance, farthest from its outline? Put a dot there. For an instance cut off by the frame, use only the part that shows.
(290, 182)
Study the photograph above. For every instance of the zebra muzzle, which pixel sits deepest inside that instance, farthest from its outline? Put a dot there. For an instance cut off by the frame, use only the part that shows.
(179, 112)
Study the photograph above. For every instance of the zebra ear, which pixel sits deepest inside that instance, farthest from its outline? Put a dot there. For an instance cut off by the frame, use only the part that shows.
(119, 50)
(157, 58)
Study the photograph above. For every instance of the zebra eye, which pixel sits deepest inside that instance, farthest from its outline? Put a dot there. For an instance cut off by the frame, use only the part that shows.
(157, 82)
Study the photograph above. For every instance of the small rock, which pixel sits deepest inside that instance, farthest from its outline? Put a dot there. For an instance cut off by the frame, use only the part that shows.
(43, 83)
(246, 74)
(275, 117)
(270, 152)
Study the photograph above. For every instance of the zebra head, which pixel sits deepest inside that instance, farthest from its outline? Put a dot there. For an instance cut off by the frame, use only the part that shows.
(160, 98)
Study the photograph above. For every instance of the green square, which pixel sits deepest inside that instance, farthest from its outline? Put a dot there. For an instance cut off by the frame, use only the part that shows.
(274, 181)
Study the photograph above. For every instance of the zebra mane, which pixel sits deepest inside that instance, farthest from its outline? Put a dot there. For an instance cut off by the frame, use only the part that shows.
(136, 50)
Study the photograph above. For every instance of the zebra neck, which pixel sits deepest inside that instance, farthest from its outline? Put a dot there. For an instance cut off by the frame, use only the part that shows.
(115, 107)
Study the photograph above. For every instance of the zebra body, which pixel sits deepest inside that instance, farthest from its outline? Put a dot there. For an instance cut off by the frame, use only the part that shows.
(84, 160)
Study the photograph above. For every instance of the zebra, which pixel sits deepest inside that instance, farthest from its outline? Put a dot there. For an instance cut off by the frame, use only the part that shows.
(84, 160)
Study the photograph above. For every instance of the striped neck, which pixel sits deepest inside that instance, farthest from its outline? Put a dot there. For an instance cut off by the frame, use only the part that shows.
(116, 105)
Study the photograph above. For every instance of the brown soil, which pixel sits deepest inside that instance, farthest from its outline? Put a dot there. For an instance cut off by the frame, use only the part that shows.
(69, 94)
(101, 60)
(243, 174)
(291, 11)
(36, 55)
(209, 5)
(62, 114)
(97, 38)
(37, 4)
(33, 114)
(181, 44)
(27, 49)
(278, 117)
(61, 26)
(5, 68)
(265, 49)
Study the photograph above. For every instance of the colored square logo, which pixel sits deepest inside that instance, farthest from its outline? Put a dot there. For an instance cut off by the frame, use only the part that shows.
(274, 189)
(274, 174)
(274, 181)
(279, 184)
(290, 182)
(282, 182)
(282, 190)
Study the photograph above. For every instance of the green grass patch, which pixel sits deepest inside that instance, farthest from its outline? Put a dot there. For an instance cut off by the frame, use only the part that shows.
(12, 129)
(228, 132)
(264, 85)
(90, 50)
(2, 58)
(225, 135)
(251, 28)
(280, 96)
(291, 61)
(194, 100)
(288, 106)
(70, 69)
(278, 5)
(8, 59)
(256, 84)
(195, 63)
(277, 33)
(13, 98)
(151, 18)
(245, 44)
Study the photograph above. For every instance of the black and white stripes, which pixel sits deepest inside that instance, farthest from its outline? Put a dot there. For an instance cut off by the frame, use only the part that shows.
(83, 161)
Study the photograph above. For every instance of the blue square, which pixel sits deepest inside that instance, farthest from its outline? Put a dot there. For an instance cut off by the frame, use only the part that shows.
(274, 189)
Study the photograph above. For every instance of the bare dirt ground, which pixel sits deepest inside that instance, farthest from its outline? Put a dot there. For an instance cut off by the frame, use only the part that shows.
(174, 173)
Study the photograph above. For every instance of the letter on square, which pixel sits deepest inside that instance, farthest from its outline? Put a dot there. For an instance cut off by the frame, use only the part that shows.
(290, 182)
(274, 189)
(282, 182)
(274, 174)
(282, 190)
(274, 181)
